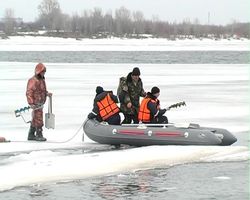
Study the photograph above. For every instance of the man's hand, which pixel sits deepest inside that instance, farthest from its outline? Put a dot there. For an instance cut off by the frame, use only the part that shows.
(129, 105)
(36, 107)
(49, 94)
(162, 112)
(33, 106)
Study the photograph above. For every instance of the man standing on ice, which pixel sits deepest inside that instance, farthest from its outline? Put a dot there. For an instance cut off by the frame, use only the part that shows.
(36, 94)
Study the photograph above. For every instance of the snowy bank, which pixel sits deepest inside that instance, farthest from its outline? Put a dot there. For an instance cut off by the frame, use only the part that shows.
(32, 43)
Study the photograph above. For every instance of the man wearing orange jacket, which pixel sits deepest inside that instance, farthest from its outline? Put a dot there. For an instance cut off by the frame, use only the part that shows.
(36, 94)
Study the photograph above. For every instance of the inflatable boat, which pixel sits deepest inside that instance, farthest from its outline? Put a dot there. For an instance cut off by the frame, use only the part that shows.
(156, 134)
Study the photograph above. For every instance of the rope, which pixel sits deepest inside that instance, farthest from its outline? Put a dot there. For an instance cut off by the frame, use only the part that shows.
(76, 133)
(61, 142)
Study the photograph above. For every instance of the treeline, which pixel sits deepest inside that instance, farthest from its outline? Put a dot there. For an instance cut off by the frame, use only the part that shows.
(122, 23)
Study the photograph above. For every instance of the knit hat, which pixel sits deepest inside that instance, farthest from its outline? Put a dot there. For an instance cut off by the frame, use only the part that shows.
(99, 90)
(136, 72)
(155, 90)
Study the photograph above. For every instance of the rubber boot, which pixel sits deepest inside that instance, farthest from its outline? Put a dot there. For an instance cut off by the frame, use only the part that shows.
(39, 135)
(31, 135)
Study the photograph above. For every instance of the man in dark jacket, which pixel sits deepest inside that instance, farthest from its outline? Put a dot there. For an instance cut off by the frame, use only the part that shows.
(129, 91)
(105, 108)
(150, 111)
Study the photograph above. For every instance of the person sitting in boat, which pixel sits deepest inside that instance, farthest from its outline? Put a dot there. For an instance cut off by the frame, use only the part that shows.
(105, 107)
(150, 111)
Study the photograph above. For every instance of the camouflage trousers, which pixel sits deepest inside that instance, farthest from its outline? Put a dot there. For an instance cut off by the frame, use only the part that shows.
(37, 118)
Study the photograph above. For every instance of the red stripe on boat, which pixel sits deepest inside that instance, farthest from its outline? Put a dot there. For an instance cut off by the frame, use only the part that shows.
(127, 132)
(168, 134)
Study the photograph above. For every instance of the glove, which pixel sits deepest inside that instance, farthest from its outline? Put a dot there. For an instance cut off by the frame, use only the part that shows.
(162, 111)
(33, 106)
(36, 107)
(91, 116)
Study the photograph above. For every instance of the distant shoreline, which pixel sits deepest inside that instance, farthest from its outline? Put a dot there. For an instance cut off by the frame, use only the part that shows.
(131, 36)
(44, 43)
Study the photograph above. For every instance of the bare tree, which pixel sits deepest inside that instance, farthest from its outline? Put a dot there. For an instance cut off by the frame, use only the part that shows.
(196, 28)
(186, 27)
(97, 21)
(109, 23)
(50, 14)
(86, 27)
(66, 23)
(9, 21)
(75, 26)
(123, 21)
(139, 22)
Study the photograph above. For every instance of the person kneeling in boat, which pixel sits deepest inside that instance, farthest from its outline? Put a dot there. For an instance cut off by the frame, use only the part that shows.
(150, 111)
(105, 107)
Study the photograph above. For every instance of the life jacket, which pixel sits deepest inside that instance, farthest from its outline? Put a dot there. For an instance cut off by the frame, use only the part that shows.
(107, 107)
(144, 112)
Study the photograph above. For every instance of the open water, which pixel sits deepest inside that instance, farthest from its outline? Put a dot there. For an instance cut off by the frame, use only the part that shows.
(156, 57)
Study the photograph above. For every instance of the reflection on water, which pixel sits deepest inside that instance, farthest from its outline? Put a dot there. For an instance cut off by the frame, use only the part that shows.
(39, 192)
(124, 186)
(139, 185)
(192, 181)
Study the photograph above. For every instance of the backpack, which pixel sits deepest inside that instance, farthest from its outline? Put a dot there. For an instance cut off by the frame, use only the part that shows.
(122, 89)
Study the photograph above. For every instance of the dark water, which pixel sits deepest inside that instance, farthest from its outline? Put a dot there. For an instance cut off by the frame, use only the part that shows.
(210, 181)
(157, 57)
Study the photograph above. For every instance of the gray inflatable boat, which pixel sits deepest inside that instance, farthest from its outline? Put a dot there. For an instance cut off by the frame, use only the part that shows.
(156, 134)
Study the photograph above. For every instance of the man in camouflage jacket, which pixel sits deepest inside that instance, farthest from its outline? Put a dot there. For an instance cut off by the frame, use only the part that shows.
(36, 94)
(129, 92)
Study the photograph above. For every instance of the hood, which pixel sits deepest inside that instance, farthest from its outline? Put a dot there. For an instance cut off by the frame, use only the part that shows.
(39, 68)
(129, 78)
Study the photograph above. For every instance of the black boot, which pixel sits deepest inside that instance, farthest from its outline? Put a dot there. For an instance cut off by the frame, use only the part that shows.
(39, 135)
(31, 135)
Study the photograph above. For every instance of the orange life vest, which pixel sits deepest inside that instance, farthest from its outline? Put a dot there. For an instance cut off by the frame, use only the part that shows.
(107, 107)
(144, 112)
